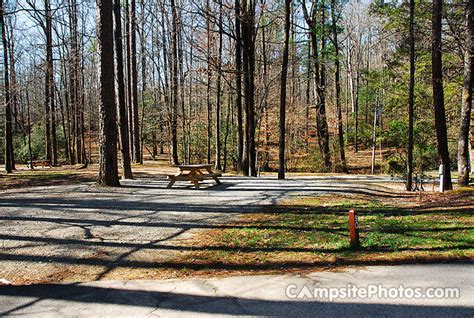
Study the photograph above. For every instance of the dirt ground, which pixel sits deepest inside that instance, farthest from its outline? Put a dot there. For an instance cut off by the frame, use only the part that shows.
(67, 174)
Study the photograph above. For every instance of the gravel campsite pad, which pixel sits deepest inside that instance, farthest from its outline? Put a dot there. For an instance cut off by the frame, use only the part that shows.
(81, 232)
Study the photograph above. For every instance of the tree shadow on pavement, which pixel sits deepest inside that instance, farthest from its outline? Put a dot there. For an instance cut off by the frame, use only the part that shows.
(58, 297)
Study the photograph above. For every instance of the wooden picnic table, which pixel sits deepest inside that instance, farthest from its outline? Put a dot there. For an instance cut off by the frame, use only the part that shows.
(35, 163)
(194, 173)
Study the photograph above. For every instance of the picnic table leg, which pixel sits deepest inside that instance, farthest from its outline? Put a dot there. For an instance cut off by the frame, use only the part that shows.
(216, 179)
(195, 181)
(172, 181)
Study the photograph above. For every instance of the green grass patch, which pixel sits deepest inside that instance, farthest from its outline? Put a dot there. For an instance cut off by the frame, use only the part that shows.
(312, 231)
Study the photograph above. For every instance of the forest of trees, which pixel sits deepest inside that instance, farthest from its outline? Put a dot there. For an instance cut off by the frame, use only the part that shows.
(247, 85)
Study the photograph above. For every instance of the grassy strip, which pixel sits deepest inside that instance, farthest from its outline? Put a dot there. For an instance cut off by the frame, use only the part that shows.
(309, 232)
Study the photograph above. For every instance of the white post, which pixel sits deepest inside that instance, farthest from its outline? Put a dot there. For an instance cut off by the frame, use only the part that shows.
(441, 178)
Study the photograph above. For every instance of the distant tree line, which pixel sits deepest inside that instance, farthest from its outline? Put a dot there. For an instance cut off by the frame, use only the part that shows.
(245, 85)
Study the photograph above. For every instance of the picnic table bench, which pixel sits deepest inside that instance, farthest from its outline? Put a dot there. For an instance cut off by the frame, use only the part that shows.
(195, 174)
(37, 163)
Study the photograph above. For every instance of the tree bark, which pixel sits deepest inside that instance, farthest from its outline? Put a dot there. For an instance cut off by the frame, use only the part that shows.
(134, 82)
(284, 72)
(238, 85)
(108, 171)
(143, 76)
(28, 122)
(120, 91)
(6, 95)
(356, 108)
(129, 96)
(308, 93)
(226, 135)
(248, 39)
(411, 100)
(63, 100)
(74, 83)
(49, 98)
(166, 74)
(320, 81)
(82, 101)
(13, 90)
(438, 93)
(337, 79)
(265, 165)
(374, 137)
(182, 79)
(321, 117)
(218, 165)
(463, 143)
(209, 76)
(174, 84)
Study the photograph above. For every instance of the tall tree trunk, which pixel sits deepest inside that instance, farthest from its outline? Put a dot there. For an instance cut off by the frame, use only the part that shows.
(143, 76)
(248, 40)
(411, 99)
(350, 86)
(266, 155)
(320, 80)
(227, 124)
(166, 72)
(129, 96)
(367, 87)
(182, 80)
(218, 99)
(340, 129)
(238, 85)
(155, 88)
(174, 67)
(374, 136)
(74, 82)
(190, 100)
(438, 93)
(63, 102)
(356, 107)
(108, 171)
(134, 82)
(16, 123)
(346, 101)
(209, 76)
(92, 99)
(284, 72)
(48, 80)
(323, 128)
(120, 91)
(63, 125)
(82, 93)
(6, 95)
(77, 102)
(292, 56)
(308, 93)
(311, 21)
(12, 92)
(463, 143)
(28, 119)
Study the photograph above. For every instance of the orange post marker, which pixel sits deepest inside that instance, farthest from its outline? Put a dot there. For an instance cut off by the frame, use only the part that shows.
(354, 229)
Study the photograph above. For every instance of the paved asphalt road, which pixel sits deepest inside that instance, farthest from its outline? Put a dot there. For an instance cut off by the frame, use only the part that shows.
(265, 295)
